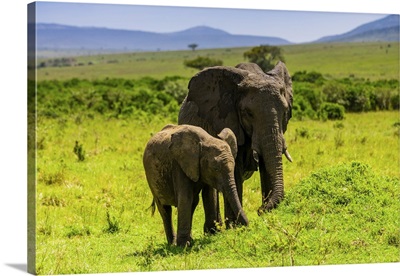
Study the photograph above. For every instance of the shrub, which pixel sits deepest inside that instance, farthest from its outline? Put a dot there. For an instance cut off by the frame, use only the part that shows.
(309, 92)
(302, 109)
(311, 77)
(177, 89)
(358, 98)
(335, 93)
(359, 95)
(381, 99)
(202, 62)
(302, 132)
(331, 111)
(395, 101)
(79, 152)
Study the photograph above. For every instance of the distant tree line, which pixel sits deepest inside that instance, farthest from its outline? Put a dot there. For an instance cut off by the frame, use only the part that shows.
(312, 91)
(117, 98)
(314, 96)
(57, 62)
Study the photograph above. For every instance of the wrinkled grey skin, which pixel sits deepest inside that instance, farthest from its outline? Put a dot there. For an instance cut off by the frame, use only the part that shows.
(179, 161)
(256, 106)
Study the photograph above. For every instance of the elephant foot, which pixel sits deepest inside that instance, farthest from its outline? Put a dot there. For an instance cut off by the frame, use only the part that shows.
(212, 228)
(171, 239)
(230, 224)
(184, 242)
(261, 211)
(266, 207)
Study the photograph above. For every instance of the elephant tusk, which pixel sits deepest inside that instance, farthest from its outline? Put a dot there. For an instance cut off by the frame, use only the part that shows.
(255, 156)
(287, 154)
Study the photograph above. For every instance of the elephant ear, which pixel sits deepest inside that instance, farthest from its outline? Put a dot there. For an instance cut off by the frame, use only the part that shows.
(185, 149)
(281, 73)
(229, 137)
(212, 99)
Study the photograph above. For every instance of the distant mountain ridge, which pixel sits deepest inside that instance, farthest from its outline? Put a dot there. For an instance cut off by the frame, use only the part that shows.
(62, 37)
(385, 29)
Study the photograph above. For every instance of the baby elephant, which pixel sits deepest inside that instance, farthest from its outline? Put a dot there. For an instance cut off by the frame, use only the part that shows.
(179, 161)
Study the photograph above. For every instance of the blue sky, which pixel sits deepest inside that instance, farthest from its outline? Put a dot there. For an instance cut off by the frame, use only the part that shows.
(295, 26)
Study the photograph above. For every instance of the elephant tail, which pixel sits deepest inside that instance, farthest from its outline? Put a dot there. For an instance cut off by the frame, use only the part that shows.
(153, 207)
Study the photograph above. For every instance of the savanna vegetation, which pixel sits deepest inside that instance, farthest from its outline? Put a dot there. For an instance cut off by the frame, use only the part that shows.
(342, 190)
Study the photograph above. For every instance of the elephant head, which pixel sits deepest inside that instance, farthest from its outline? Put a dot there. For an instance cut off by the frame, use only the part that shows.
(210, 160)
(256, 106)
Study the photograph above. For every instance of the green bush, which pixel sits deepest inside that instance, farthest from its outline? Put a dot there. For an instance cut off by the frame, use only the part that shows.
(395, 101)
(331, 111)
(358, 98)
(202, 62)
(309, 92)
(302, 109)
(111, 97)
(311, 77)
(121, 98)
(358, 95)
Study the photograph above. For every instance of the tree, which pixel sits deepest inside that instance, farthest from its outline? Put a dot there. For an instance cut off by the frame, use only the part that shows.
(265, 56)
(193, 46)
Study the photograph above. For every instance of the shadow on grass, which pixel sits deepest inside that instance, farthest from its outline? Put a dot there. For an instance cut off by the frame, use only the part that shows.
(163, 250)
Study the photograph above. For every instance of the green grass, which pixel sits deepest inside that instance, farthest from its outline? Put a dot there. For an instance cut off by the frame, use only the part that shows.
(341, 204)
(341, 201)
(379, 60)
(375, 61)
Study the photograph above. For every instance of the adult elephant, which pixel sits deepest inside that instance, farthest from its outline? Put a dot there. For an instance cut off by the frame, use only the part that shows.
(256, 106)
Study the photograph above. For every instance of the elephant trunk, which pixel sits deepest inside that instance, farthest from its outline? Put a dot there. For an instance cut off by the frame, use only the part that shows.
(230, 193)
(271, 172)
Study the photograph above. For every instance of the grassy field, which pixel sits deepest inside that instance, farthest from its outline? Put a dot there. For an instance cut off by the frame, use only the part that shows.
(93, 215)
(342, 191)
(364, 60)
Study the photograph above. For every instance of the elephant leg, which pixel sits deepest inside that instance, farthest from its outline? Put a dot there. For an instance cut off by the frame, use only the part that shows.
(166, 215)
(184, 236)
(211, 209)
(185, 216)
(194, 205)
(184, 188)
(185, 221)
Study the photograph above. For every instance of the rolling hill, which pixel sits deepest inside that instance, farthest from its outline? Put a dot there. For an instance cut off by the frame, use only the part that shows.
(62, 37)
(385, 29)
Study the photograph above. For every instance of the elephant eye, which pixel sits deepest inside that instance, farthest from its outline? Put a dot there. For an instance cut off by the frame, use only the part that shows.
(247, 112)
(215, 164)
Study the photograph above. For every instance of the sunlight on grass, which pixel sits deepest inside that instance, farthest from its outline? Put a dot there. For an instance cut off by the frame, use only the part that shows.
(93, 214)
